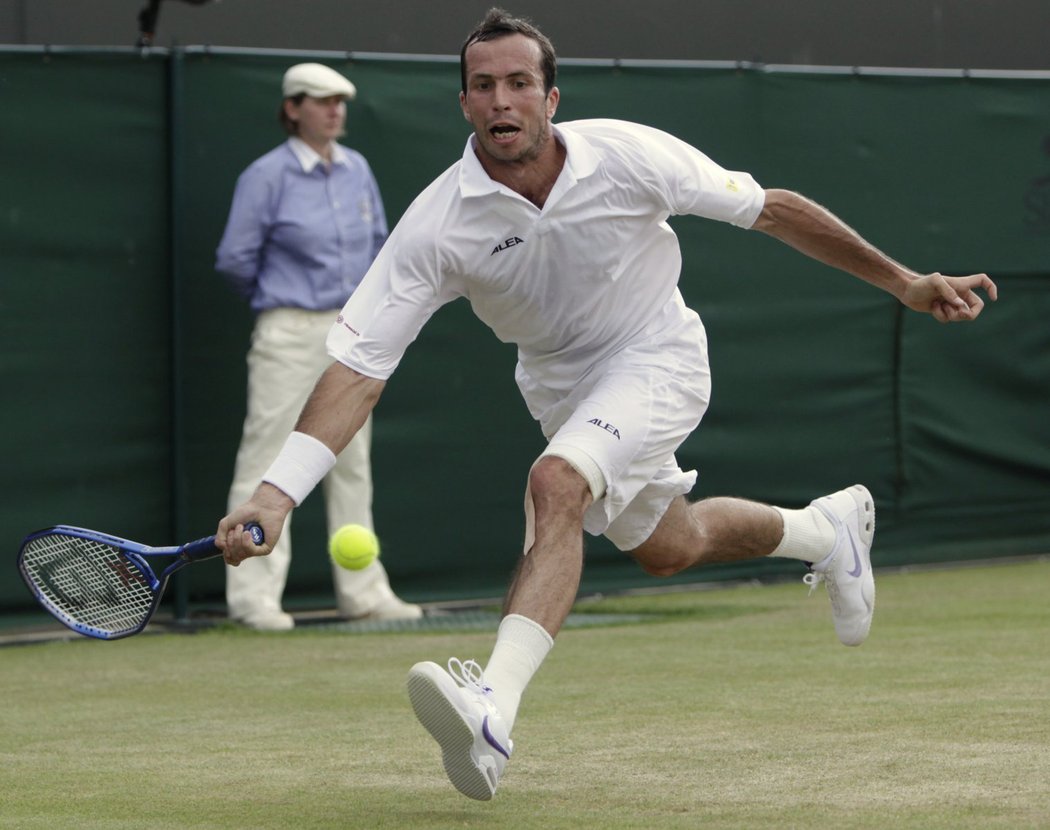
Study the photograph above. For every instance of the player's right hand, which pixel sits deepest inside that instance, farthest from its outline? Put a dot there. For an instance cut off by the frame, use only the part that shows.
(268, 507)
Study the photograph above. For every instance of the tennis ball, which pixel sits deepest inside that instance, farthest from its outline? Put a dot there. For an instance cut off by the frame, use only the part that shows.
(353, 547)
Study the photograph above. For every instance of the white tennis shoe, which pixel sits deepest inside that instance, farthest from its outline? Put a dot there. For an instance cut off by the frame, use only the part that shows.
(457, 710)
(846, 571)
(268, 621)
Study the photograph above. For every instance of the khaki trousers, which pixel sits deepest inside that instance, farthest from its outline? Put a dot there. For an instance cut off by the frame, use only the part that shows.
(286, 357)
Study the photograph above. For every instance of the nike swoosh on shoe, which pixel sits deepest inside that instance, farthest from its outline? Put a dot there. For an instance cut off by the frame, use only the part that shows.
(492, 740)
(858, 568)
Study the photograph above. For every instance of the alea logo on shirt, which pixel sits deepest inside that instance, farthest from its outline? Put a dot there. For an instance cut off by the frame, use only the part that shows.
(507, 243)
(598, 422)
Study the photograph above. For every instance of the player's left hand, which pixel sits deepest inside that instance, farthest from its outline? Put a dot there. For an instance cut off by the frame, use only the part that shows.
(949, 299)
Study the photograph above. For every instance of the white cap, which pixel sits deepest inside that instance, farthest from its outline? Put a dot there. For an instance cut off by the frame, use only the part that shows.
(317, 81)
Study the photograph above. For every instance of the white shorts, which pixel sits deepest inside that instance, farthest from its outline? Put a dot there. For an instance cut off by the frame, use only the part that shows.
(629, 416)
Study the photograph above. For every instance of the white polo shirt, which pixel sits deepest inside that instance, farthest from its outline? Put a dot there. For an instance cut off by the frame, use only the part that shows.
(572, 283)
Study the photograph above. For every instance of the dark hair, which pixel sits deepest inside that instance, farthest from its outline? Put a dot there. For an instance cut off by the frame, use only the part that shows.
(497, 24)
(291, 127)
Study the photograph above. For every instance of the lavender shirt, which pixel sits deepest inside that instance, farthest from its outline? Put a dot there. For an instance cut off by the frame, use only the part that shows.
(302, 234)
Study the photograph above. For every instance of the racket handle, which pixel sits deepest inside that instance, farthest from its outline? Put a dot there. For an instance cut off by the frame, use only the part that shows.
(205, 548)
(256, 531)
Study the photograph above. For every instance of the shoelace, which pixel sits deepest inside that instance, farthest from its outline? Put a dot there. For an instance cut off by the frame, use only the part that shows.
(468, 674)
(813, 579)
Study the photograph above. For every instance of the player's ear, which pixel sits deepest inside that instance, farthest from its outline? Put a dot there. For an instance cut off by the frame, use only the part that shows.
(463, 107)
(552, 101)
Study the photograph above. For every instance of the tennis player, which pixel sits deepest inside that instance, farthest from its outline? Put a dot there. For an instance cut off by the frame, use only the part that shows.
(557, 236)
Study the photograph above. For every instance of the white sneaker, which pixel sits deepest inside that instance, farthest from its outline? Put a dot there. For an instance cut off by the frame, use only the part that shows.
(846, 571)
(457, 710)
(268, 621)
(394, 608)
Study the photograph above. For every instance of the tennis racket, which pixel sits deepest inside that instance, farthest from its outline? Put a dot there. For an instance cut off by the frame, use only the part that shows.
(102, 586)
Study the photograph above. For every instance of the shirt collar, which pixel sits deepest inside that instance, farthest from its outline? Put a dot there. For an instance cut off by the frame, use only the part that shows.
(309, 158)
(581, 160)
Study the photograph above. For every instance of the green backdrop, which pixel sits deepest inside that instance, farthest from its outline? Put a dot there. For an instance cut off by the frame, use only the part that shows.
(122, 352)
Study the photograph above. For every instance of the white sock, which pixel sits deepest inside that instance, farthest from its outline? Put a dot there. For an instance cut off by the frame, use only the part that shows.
(521, 645)
(808, 535)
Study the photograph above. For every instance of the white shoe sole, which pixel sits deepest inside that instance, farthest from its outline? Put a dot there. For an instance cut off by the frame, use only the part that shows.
(430, 689)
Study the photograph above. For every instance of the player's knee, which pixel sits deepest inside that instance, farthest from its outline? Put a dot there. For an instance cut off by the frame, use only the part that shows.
(663, 566)
(679, 542)
(556, 486)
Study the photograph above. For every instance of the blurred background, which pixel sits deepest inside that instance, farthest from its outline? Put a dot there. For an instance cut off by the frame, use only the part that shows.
(924, 124)
(1002, 34)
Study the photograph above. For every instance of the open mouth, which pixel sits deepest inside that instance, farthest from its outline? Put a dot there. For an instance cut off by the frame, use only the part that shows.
(503, 132)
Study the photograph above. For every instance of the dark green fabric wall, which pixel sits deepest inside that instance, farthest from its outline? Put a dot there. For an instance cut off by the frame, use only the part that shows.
(122, 352)
(85, 328)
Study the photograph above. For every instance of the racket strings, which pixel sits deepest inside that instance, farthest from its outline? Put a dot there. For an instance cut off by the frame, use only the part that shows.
(88, 582)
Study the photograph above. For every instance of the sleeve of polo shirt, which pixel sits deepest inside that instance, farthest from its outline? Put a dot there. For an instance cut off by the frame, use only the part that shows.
(239, 255)
(400, 292)
(694, 184)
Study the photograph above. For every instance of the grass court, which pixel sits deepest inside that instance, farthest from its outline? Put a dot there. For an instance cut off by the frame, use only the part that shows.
(727, 708)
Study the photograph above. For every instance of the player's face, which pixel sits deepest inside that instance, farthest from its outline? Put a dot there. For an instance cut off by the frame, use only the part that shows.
(320, 120)
(505, 101)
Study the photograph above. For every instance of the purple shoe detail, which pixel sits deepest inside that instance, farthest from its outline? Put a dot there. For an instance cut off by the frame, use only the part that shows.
(492, 740)
(857, 567)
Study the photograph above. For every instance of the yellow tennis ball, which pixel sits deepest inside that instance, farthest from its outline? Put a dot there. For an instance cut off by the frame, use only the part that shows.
(353, 547)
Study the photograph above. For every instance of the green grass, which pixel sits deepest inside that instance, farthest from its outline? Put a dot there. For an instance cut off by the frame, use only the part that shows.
(733, 708)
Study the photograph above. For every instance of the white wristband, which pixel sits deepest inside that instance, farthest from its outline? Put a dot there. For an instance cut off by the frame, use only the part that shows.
(301, 464)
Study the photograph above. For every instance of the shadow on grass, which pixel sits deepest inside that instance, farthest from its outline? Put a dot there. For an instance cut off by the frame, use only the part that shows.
(665, 608)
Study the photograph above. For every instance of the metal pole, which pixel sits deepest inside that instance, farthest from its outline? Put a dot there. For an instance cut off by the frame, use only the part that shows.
(178, 444)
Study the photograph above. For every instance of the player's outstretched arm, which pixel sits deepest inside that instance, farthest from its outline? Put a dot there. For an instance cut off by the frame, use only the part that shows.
(818, 233)
(337, 408)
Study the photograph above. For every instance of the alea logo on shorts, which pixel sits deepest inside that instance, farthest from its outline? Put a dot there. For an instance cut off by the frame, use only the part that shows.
(598, 422)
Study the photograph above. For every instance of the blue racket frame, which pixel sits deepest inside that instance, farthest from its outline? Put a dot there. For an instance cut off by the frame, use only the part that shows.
(103, 586)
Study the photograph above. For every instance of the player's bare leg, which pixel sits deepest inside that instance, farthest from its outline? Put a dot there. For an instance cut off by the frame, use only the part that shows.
(548, 576)
(833, 535)
(469, 711)
(713, 530)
